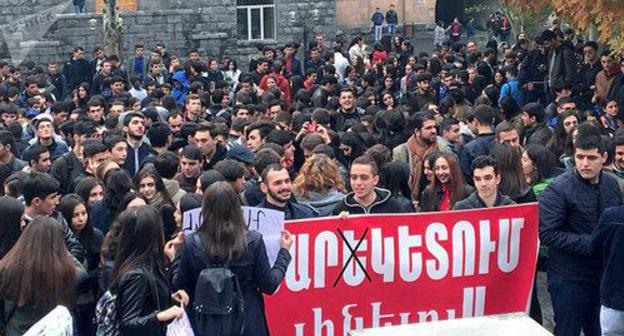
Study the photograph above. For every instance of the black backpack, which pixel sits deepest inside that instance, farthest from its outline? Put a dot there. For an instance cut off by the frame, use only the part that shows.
(218, 304)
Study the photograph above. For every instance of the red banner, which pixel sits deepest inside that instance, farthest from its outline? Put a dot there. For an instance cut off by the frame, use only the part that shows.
(379, 270)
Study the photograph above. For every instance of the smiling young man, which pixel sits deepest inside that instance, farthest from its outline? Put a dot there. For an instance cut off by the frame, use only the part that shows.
(366, 198)
(277, 189)
(569, 210)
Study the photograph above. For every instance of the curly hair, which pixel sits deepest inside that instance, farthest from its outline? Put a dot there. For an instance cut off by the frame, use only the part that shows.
(319, 173)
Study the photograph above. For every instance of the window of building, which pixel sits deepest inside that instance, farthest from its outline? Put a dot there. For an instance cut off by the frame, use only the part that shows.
(255, 19)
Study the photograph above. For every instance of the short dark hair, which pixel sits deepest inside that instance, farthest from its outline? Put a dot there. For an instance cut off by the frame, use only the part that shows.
(280, 137)
(484, 114)
(39, 185)
(191, 152)
(447, 123)
(85, 126)
(33, 152)
(209, 177)
(368, 161)
(92, 147)
(158, 133)
(263, 127)
(231, 170)
(418, 119)
(483, 161)
(112, 139)
(264, 158)
(131, 115)
(588, 137)
(535, 110)
(270, 168)
(166, 164)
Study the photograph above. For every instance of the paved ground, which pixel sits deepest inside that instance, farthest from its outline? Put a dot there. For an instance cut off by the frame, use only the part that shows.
(544, 299)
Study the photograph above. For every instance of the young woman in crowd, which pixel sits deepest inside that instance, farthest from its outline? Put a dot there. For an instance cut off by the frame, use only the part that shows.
(36, 275)
(319, 184)
(223, 238)
(513, 182)
(394, 176)
(539, 167)
(12, 211)
(117, 184)
(74, 211)
(151, 186)
(447, 186)
(561, 141)
(145, 302)
(91, 190)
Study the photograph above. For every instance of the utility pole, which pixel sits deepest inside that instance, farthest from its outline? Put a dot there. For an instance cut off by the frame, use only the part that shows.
(113, 29)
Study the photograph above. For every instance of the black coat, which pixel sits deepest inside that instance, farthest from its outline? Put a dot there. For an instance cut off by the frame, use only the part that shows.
(607, 242)
(67, 170)
(481, 145)
(141, 294)
(475, 202)
(76, 72)
(384, 204)
(252, 270)
(569, 210)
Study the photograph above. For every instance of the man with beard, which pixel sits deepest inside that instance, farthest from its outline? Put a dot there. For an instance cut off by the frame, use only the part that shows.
(422, 142)
(276, 187)
(138, 150)
(422, 96)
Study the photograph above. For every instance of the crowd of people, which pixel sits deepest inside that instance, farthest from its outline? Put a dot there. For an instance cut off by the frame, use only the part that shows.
(100, 159)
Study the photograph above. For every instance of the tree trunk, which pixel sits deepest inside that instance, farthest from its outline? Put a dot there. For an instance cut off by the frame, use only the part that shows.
(113, 29)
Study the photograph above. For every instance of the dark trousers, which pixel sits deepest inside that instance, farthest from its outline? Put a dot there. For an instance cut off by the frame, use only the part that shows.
(576, 305)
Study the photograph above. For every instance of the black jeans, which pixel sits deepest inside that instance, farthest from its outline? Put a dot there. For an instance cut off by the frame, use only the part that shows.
(576, 304)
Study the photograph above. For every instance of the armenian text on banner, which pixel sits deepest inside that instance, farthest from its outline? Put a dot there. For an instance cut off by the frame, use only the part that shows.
(379, 270)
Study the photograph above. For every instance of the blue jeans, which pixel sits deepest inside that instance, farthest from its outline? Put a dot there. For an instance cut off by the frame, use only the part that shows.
(378, 30)
(391, 28)
(576, 305)
(79, 9)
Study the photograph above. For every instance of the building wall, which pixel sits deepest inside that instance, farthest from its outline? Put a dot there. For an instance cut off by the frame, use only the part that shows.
(358, 13)
(207, 25)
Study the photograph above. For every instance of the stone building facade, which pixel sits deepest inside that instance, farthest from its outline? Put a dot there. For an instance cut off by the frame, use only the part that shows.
(47, 30)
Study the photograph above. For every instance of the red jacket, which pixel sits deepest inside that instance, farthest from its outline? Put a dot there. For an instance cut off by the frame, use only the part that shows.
(282, 83)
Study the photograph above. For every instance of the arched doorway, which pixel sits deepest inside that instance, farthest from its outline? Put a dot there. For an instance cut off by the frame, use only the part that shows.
(447, 10)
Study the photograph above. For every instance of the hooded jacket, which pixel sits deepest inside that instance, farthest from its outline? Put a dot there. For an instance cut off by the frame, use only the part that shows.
(475, 202)
(323, 203)
(384, 203)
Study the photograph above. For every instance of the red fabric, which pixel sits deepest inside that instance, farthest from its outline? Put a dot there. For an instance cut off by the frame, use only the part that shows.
(445, 203)
(455, 28)
(308, 84)
(288, 64)
(282, 83)
(379, 57)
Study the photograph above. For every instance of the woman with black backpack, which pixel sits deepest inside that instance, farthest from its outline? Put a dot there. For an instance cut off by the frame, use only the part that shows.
(223, 253)
(140, 285)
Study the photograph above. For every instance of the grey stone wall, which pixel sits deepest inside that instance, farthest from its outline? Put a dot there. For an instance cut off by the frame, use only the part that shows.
(208, 25)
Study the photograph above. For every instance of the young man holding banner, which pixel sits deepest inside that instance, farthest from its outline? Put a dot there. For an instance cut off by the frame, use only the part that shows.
(569, 209)
(366, 198)
(276, 187)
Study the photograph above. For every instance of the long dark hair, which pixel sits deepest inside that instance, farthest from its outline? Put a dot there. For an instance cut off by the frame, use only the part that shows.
(86, 236)
(395, 176)
(12, 211)
(85, 186)
(117, 184)
(513, 183)
(160, 185)
(38, 270)
(141, 243)
(456, 181)
(223, 226)
(544, 161)
(561, 142)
